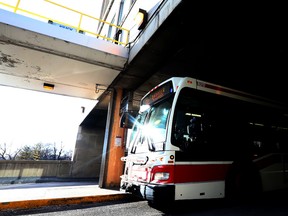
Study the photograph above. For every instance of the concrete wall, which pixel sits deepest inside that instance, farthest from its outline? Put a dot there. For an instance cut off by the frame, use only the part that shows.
(88, 153)
(12, 171)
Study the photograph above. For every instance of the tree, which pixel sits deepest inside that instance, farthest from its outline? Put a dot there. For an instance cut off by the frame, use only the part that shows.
(42, 151)
(37, 151)
(5, 152)
(26, 153)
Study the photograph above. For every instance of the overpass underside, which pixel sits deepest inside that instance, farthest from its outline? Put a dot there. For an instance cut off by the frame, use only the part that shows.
(33, 53)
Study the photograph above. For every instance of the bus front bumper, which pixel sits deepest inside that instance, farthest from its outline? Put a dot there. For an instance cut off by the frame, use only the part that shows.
(153, 193)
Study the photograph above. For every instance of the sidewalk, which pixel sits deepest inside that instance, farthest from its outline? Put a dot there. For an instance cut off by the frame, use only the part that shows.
(34, 195)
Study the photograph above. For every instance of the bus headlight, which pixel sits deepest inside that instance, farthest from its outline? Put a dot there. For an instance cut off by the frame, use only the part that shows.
(160, 176)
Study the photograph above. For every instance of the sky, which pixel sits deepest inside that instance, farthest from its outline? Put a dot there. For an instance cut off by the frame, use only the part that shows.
(29, 117)
(46, 8)
(86, 6)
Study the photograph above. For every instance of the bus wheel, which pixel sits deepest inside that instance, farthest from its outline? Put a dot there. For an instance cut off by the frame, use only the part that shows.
(243, 182)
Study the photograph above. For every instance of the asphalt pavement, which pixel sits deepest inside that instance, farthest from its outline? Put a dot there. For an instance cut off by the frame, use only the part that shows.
(34, 195)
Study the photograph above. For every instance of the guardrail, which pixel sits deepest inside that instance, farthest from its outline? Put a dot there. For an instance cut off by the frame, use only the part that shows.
(79, 28)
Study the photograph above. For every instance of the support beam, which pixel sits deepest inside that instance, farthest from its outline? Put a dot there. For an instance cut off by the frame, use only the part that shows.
(116, 148)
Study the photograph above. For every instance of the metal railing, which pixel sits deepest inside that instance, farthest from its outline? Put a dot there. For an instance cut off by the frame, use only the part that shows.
(77, 27)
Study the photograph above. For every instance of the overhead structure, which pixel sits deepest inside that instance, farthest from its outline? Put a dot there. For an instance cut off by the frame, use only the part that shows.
(34, 54)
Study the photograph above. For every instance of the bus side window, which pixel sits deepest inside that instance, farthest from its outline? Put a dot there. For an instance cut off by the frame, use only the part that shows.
(194, 128)
(180, 126)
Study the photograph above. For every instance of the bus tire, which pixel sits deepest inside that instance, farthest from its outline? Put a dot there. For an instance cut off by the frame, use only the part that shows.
(243, 182)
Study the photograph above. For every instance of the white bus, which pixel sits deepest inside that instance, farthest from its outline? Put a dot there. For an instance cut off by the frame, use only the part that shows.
(197, 140)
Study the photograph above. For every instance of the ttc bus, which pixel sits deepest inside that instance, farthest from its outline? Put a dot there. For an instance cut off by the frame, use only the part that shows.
(197, 140)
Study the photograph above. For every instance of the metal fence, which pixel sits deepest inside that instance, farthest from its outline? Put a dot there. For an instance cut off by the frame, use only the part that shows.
(81, 23)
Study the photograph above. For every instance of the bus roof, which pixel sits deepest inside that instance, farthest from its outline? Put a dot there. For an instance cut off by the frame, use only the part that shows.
(180, 82)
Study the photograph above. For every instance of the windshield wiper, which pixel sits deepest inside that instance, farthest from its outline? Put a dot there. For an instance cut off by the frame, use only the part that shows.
(151, 145)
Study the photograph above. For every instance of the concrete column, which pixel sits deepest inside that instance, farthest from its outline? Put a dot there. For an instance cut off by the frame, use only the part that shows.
(116, 146)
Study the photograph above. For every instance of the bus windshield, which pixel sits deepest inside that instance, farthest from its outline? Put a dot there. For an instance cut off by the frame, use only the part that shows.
(149, 130)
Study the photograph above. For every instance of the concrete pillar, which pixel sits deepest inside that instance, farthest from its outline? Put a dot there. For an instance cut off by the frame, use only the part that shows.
(88, 152)
(116, 148)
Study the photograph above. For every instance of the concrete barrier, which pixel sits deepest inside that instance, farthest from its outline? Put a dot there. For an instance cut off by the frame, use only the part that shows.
(16, 172)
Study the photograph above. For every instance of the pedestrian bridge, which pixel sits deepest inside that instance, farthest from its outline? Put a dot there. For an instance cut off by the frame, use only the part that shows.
(44, 57)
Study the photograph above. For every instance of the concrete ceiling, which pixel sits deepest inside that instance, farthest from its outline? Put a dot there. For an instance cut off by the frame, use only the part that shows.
(242, 46)
(27, 68)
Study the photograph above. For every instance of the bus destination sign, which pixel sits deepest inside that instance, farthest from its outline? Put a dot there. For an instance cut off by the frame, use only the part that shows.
(158, 93)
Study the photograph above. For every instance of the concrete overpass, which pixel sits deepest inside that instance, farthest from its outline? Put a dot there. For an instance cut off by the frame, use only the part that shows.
(240, 46)
(34, 53)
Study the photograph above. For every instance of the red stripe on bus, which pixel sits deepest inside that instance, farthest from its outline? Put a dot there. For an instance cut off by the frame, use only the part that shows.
(199, 173)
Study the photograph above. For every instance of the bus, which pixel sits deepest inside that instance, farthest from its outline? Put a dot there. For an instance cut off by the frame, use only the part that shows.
(198, 140)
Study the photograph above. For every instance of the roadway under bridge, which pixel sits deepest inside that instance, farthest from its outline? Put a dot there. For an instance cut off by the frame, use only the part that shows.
(237, 45)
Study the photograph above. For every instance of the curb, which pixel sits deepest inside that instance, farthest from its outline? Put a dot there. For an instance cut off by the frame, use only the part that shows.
(60, 201)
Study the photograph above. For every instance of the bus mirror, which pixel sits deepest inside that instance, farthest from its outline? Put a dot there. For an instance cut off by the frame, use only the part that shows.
(127, 120)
